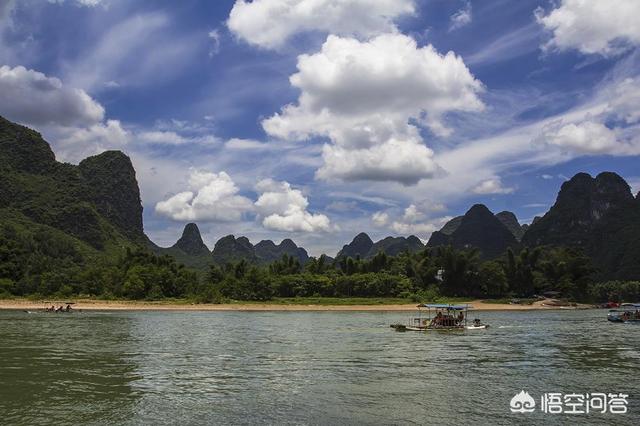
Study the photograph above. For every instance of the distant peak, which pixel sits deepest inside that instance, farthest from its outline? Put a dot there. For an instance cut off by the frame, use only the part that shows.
(507, 215)
(362, 237)
(287, 243)
(191, 231)
(479, 209)
(191, 240)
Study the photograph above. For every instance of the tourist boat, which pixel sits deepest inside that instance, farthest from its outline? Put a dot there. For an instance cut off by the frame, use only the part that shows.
(628, 313)
(443, 317)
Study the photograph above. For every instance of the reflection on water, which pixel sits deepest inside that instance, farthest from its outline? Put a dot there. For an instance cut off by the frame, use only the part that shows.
(304, 368)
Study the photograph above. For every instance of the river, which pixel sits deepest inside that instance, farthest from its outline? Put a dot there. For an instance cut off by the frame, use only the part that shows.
(306, 368)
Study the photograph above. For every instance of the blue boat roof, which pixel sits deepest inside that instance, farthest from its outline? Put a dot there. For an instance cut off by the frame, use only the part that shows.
(445, 306)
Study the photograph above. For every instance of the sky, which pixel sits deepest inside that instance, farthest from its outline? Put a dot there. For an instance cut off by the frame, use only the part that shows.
(318, 119)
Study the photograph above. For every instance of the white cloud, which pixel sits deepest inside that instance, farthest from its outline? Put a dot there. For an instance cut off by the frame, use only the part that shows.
(366, 96)
(66, 116)
(412, 214)
(420, 227)
(624, 100)
(592, 26)
(414, 228)
(461, 18)
(283, 208)
(138, 51)
(73, 144)
(270, 23)
(212, 197)
(246, 145)
(160, 137)
(400, 161)
(491, 186)
(32, 98)
(588, 138)
(546, 177)
(380, 218)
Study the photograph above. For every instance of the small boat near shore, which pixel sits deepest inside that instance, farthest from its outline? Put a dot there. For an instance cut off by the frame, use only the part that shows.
(627, 313)
(441, 317)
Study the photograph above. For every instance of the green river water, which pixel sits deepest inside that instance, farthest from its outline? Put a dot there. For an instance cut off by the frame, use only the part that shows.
(306, 368)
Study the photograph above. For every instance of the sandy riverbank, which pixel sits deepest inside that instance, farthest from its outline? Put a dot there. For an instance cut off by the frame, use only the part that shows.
(100, 305)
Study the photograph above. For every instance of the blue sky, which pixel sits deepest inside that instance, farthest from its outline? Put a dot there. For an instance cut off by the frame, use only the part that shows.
(318, 119)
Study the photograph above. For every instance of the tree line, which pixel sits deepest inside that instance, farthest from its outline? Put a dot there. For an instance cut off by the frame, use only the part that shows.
(41, 263)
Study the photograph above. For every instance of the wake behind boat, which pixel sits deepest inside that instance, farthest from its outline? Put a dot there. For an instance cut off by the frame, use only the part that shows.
(443, 317)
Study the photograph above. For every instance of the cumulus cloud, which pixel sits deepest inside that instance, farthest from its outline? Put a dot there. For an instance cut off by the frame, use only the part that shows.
(491, 186)
(368, 98)
(73, 144)
(589, 137)
(67, 116)
(593, 27)
(270, 23)
(401, 161)
(32, 98)
(414, 221)
(283, 208)
(461, 18)
(212, 197)
(380, 218)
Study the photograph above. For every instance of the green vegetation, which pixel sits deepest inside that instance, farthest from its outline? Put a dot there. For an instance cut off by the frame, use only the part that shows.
(70, 230)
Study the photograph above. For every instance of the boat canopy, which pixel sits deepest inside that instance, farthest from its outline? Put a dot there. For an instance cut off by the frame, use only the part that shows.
(445, 306)
(630, 305)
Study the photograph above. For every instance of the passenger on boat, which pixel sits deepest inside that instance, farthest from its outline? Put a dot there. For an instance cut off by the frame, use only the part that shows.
(60, 309)
(461, 317)
(68, 308)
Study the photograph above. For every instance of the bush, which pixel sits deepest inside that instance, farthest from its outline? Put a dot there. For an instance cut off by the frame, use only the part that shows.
(615, 291)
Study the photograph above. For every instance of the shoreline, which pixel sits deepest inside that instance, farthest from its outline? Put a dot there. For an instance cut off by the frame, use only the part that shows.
(103, 305)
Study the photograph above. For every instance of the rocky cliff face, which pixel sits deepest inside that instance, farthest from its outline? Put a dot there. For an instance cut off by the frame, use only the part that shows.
(599, 216)
(113, 189)
(478, 228)
(191, 241)
(450, 227)
(510, 220)
(581, 204)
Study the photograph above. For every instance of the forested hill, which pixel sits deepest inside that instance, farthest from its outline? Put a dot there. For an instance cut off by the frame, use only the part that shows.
(67, 229)
(599, 216)
(96, 202)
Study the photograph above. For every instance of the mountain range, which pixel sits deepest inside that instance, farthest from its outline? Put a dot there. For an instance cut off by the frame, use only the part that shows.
(96, 207)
